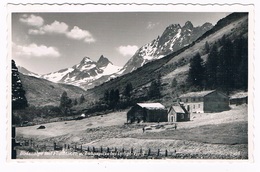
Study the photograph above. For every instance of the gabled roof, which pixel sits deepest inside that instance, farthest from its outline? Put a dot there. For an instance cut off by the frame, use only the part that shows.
(178, 109)
(151, 105)
(197, 94)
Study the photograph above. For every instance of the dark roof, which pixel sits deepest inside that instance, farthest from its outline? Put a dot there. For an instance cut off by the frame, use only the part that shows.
(151, 105)
(197, 94)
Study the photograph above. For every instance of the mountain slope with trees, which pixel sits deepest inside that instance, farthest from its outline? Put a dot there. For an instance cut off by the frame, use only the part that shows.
(175, 66)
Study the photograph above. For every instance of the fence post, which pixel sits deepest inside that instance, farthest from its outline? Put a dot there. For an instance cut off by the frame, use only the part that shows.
(93, 149)
(123, 150)
(101, 149)
(88, 149)
(158, 153)
(166, 153)
(149, 152)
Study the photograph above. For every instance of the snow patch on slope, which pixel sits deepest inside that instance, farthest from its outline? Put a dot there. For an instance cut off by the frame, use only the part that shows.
(57, 76)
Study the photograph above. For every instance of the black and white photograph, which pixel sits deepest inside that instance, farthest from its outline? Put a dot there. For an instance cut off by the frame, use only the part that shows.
(146, 85)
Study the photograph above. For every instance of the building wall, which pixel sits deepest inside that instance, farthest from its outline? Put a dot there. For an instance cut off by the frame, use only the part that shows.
(177, 117)
(195, 107)
(213, 102)
(157, 115)
(193, 104)
(216, 102)
(138, 114)
(238, 101)
(172, 116)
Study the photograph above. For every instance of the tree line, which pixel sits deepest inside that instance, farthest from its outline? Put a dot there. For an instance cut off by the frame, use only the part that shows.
(226, 67)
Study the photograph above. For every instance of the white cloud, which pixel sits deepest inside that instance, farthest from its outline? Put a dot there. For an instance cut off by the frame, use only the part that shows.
(36, 32)
(151, 25)
(62, 28)
(34, 50)
(32, 20)
(56, 27)
(128, 50)
(79, 34)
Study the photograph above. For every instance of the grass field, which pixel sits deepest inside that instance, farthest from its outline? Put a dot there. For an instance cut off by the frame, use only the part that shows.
(224, 133)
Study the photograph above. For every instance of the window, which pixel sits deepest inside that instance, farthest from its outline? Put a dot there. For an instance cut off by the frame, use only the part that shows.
(193, 99)
(198, 105)
(193, 106)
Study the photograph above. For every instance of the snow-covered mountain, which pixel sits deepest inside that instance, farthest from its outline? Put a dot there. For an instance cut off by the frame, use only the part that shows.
(89, 73)
(173, 38)
(83, 73)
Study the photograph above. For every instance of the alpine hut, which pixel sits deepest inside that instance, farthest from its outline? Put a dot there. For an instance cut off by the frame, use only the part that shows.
(205, 101)
(238, 98)
(147, 112)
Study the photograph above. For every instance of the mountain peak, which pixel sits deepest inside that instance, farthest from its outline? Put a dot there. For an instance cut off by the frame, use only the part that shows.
(188, 25)
(86, 60)
(103, 61)
(207, 25)
(173, 26)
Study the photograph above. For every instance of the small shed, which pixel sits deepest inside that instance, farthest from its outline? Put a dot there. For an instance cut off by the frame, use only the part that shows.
(178, 113)
(147, 112)
(238, 98)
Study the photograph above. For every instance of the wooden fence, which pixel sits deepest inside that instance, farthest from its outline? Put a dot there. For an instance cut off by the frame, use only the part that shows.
(97, 152)
(91, 152)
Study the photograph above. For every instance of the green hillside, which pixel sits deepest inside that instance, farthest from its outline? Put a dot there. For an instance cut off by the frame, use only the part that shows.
(40, 92)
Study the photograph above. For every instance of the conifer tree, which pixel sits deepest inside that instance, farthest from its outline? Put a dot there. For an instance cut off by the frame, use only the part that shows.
(196, 71)
(65, 103)
(211, 68)
(207, 48)
(81, 99)
(128, 90)
(19, 100)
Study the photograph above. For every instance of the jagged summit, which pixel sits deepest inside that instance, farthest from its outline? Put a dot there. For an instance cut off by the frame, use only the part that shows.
(188, 25)
(86, 60)
(89, 73)
(172, 39)
(103, 61)
(84, 72)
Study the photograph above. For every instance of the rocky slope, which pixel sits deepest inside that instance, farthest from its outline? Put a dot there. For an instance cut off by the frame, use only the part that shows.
(172, 39)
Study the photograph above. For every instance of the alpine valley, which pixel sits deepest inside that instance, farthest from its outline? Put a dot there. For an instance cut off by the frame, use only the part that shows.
(95, 109)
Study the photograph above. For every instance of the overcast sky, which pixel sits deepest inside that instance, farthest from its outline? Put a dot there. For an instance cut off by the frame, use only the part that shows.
(47, 42)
